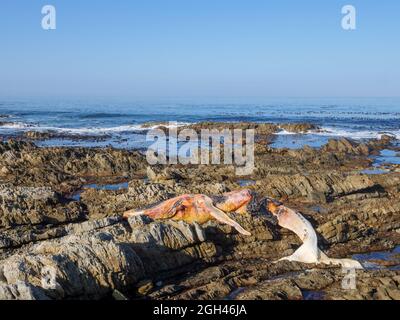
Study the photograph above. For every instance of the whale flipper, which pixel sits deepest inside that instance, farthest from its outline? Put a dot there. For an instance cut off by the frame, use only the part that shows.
(224, 218)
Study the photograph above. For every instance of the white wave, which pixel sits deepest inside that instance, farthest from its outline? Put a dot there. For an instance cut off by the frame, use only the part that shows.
(334, 132)
(118, 129)
(284, 132)
(324, 131)
(95, 130)
(20, 126)
(357, 135)
(17, 125)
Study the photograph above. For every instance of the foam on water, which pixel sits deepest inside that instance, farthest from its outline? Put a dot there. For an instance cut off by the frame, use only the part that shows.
(85, 130)
(334, 132)
(16, 126)
(317, 138)
(357, 135)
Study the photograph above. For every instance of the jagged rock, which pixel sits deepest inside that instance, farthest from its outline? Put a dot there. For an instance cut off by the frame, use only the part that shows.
(34, 205)
(95, 254)
(318, 187)
(346, 146)
(21, 291)
(62, 167)
(343, 228)
(260, 128)
(95, 260)
(117, 295)
(162, 175)
(298, 127)
(36, 135)
(370, 285)
(144, 287)
(270, 290)
(51, 134)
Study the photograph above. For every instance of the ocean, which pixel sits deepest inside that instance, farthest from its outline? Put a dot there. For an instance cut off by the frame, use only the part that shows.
(119, 123)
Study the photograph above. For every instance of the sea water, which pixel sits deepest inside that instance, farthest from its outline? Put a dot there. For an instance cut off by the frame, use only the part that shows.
(119, 123)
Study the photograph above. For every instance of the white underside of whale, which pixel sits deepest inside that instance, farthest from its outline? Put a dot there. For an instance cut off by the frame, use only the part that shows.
(308, 252)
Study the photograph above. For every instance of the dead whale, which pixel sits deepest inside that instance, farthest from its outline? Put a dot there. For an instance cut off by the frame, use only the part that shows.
(201, 209)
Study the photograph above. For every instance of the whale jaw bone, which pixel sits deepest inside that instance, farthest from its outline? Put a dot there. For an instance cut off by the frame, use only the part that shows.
(308, 252)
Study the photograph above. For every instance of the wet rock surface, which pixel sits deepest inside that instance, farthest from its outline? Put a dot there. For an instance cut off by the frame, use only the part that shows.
(64, 169)
(62, 240)
(51, 134)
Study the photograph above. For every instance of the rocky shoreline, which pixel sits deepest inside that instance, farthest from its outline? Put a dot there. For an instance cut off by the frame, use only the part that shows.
(61, 235)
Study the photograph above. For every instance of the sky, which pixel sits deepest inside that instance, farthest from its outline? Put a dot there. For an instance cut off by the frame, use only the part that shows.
(207, 48)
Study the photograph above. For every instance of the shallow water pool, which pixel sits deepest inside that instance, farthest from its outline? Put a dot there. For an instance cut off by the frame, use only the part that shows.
(111, 187)
(298, 141)
(387, 156)
(389, 259)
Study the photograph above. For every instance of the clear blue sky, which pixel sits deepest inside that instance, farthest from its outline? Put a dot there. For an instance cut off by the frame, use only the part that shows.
(187, 48)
